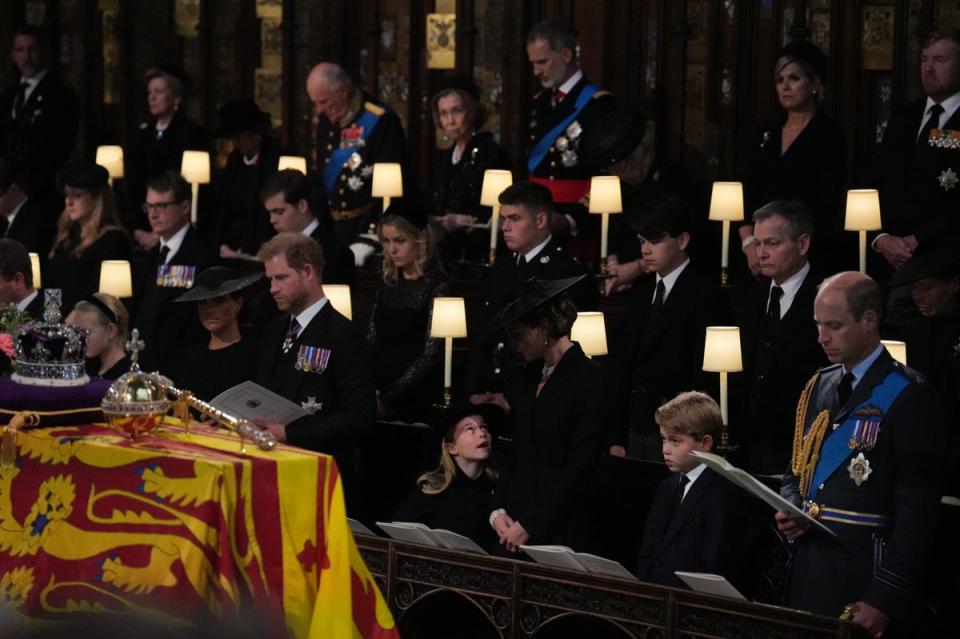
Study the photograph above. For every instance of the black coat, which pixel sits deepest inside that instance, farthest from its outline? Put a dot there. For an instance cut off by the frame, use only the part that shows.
(344, 390)
(777, 364)
(701, 536)
(80, 276)
(168, 327)
(36, 224)
(464, 508)
(913, 200)
(241, 221)
(904, 485)
(662, 356)
(812, 171)
(386, 143)
(35, 307)
(457, 187)
(340, 266)
(558, 438)
(149, 157)
(43, 136)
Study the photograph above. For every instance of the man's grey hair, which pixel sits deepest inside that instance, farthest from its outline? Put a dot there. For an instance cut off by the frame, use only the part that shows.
(795, 214)
(559, 35)
(334, 76)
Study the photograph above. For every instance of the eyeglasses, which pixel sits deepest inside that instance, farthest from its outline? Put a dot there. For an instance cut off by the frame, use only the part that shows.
(158, 206)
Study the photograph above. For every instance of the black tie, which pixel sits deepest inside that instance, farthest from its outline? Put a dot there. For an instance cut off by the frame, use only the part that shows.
(657, 305)
(20, 99)
(932, 123)
(844, 388)
(162, 255)
(678, 496)
(773, 307)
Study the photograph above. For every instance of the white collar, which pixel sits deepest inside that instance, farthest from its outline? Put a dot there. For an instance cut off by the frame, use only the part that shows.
(949, 105)
(34, 80)
(670, 279)
(311, 227)
(571, 82)
(250, 161)
(532, 253)
(25, 302)
(306, 315)
(695, 472)
(12, 215)
(175, 241)
(790, 287)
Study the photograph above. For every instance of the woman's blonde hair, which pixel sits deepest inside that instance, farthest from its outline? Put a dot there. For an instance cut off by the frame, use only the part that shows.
(423, 238)
(102, 219)
(438, 480)
(115, 306)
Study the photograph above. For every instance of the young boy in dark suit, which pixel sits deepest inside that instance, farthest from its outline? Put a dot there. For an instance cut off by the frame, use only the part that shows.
(693, 524)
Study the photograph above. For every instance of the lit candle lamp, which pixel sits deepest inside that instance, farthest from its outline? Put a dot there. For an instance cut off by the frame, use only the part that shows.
(449, 320)
(35, 269)
(897, 349)
(605, 199)
(721, 354)
(726, 205)
(111, 158)
(387, 182)
(295, 162)
(195, 169)
(862, 215)
(590, 331)
(495, 182)
(115, 278)
(339, 296)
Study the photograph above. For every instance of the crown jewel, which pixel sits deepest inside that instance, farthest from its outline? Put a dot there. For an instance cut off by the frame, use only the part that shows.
(50, 353)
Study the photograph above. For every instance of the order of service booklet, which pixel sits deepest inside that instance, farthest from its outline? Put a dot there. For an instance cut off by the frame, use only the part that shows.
(254, 403)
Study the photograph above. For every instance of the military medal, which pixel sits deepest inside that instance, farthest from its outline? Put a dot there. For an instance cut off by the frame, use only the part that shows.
(866, 428)
(859, 469)
(312, 405)
(351, 137)
(355, 161)
(568, 158)
(948, 179)
(562, 143)
(545, 259)
(574, 130)
(312, 359)
(175, 275)
(355, 182)
(944, 139)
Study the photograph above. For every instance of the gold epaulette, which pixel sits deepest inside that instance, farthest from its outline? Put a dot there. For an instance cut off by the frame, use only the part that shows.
(600, 94)
(806, 448)
(374, 109)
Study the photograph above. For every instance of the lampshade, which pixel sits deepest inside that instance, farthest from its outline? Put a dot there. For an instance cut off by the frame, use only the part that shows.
(339, 296)
(605, 194)
(293, 162)
(897, 350)
(726, 201)
(495, 182)
(35, 267)
(387, 180)
(863, 210)
(590, 331)
(115, 278)
(449, 317)
(721, 351)
(195, 167)
(111, 158)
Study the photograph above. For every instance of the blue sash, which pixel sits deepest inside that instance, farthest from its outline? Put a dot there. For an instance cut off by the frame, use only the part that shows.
(540, 150)
(333, 168)
(836, 447)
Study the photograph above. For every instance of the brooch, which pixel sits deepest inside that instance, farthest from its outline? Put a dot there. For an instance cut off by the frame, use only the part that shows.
(355, 161)
(574, 130)
(948, 179)
(355, 182)
(568, 158)
(859, 469)
(562, 143)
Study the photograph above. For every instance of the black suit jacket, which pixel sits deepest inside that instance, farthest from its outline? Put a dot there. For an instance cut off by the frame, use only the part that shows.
(559, 436)
(912, 198)
(344, 390)
(340, 266)
(35, 225)
(904, 485)
(43, 136)
(661, 357)
(35, 307)
(702, 536)
(166, 326)
(777, 365)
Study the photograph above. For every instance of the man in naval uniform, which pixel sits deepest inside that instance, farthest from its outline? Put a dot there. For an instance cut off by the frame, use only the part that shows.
(561, 112)
(867, 464)
(354, 131)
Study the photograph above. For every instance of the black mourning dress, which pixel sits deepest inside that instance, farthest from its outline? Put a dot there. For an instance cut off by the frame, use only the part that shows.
(207, 373)
(79, 275)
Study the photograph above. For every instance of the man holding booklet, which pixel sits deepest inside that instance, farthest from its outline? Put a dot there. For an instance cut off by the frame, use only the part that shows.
(867, 464)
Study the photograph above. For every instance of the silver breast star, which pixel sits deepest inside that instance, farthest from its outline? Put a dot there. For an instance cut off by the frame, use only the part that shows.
(948, 179)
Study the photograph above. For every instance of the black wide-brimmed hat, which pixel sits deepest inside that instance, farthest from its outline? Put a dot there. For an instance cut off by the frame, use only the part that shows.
(808, 53)
(82, 174)
(217, 281)
(612, 138)
(242, 115)
(456, 82)
(493, 416)
(525, 298)
(939, 259)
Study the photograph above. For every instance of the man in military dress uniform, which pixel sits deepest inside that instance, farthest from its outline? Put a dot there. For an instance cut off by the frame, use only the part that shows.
(38, 116)
(866, 463)
(566, 106)
(919, 164)
(354, 131)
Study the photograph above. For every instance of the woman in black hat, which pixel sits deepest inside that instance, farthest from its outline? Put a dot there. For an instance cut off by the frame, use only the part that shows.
(107, 322)
(560, 407)
(206, 370)
(406, 358)
(456, 495)
(241, 224)
(458, 177)
(88, 232)
(800, 157)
